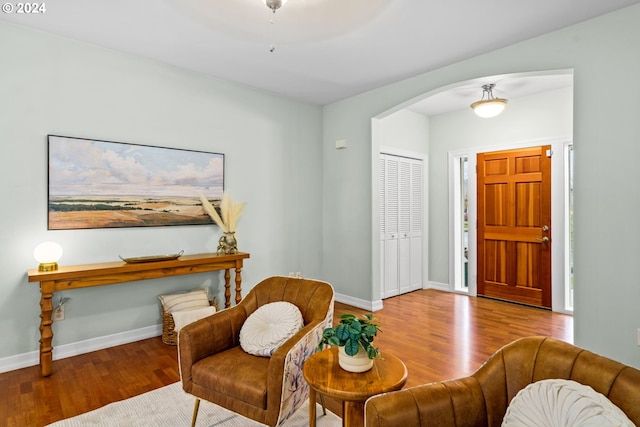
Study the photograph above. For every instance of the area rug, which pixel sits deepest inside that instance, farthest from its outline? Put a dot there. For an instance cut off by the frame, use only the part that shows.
(170, 406)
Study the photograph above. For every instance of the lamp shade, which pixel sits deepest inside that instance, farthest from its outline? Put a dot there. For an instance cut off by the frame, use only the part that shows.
(489, 108)
(47, 254)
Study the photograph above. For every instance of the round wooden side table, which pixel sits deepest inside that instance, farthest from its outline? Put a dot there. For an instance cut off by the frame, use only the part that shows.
(326, 377)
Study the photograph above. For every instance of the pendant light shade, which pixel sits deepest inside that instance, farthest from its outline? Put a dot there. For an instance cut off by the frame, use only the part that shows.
(491, 106)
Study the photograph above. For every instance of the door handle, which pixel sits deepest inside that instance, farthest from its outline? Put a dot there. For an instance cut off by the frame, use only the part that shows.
(545, 239)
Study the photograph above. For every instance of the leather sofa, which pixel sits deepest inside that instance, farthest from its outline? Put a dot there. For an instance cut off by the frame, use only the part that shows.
(482, 398)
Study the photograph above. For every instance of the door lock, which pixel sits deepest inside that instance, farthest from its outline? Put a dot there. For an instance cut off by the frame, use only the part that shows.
(545, 228)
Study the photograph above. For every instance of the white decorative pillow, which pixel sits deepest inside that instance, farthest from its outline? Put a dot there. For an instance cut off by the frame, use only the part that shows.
(267, 328)
(185, 300)
(183, 318)
(562, 403)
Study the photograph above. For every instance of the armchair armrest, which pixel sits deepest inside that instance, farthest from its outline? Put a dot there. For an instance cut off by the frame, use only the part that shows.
(451, 403)
(286, 382)
(208, 336)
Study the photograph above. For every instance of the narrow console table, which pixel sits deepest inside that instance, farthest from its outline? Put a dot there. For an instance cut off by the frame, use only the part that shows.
(88, 275)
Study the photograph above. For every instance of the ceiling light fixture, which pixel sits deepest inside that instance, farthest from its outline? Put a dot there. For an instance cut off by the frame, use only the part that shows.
(273, 5)
(491, 106)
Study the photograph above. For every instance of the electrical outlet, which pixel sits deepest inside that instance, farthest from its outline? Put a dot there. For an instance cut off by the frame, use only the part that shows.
(58, 314)
(638, 336)
(299, 275)
(292, 274)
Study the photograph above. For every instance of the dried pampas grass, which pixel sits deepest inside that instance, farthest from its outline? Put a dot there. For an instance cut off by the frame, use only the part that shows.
(229, 210)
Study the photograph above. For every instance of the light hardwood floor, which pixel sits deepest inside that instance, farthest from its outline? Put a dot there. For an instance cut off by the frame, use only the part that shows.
(438, 335)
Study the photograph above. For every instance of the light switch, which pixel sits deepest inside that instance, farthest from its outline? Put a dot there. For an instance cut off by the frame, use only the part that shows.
(341, 144)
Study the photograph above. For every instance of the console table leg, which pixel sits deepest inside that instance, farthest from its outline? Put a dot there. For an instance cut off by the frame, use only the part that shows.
(238, 284)
(46, 332)
(227, 288)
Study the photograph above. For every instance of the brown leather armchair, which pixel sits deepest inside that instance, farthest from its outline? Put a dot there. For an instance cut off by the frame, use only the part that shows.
(482, 398)
(214, 367)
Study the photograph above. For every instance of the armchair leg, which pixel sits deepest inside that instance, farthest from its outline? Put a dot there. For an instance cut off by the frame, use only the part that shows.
(195, 412)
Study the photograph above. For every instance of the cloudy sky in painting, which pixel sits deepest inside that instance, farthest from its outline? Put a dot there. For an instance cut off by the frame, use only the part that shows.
(80, 167)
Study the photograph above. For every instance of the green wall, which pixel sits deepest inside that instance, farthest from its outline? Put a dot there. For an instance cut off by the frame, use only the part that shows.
(51, 85)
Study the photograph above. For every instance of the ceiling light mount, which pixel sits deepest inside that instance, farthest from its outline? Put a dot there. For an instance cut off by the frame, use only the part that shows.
(274, 4)
(491, 106)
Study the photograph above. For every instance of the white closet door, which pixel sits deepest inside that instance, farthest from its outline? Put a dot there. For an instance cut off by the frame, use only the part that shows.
(404, 226)
(391, 284)
(417, 220)
(401, 222)
(382, 217)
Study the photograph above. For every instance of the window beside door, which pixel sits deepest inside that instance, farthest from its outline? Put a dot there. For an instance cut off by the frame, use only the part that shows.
(461, 215)
(569, 230)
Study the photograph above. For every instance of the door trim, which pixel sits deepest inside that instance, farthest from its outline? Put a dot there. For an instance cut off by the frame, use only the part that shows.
(558, 216)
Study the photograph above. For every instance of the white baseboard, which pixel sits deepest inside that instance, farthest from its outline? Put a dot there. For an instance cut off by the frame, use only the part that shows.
(73, 349)
(378, 304)
(360, 303)
(439, 286)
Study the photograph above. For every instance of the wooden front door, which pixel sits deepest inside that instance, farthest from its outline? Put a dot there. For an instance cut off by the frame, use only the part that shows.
(514, 225)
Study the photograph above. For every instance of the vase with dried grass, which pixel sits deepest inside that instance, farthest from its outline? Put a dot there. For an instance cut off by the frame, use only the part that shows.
(227, 219)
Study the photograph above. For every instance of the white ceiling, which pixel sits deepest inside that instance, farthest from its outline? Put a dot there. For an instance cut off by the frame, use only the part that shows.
(325, 50)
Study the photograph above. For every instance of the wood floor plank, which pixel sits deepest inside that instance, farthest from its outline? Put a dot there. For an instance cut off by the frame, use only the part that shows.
(438, 335)
(441, 335)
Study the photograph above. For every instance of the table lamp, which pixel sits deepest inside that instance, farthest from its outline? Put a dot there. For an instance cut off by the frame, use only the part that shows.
(47, 254)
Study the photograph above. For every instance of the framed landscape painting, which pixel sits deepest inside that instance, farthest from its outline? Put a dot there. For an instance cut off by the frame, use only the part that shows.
(103, 184)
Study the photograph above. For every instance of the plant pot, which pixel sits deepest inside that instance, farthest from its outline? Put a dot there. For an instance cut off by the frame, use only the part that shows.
(358, 363)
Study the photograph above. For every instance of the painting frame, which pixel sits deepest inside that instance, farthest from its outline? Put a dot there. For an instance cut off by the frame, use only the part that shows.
(96, 183)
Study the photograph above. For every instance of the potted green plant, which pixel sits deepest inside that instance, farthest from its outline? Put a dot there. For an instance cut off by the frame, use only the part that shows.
(354, 337)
